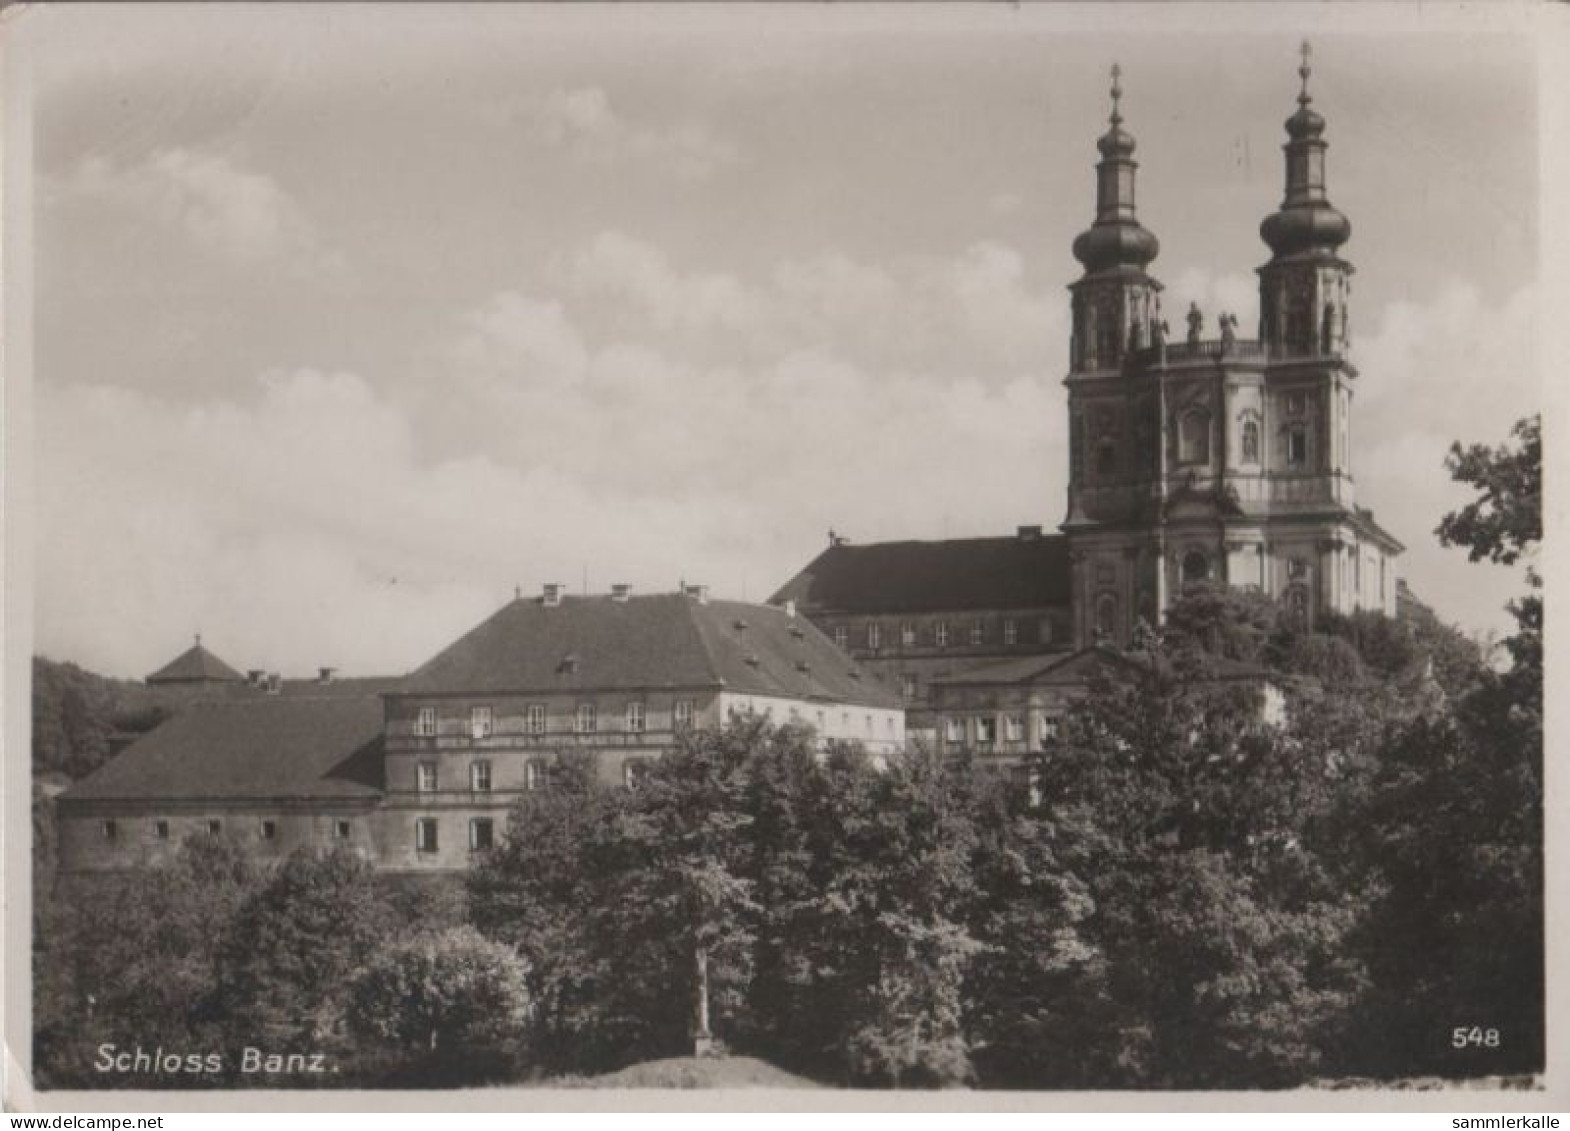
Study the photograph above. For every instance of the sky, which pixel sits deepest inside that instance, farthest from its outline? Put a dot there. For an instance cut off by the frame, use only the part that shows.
(351, 319)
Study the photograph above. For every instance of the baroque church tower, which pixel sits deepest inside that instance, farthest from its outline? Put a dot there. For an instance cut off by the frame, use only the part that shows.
(1214, 457)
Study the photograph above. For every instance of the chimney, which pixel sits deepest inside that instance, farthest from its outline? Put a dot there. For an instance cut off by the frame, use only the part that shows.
(1030, 533)
(325, 675)
(551, 597)
(790, 609)
(620, 593)
(699, 593)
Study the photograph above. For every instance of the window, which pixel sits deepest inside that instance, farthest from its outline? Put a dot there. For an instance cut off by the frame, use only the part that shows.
(161, 830)
(425, 835)
(480, 777)
(874, 636)
(1049, 729)
(535, 718)
(1297, 606)
(1250, 441)
(683, 713)
(1010, 632)
(1014, 728)
(1194, 437)
(986, 730)
(214, 827)
(907, 686)
(481, 722)
(978, 633)
(1296, 568)
(340, 830)
(940, 634)
(635, 717)
(481, 834)
(869, 724)
(1297, 446)
(1196, 567)
(269, 830)
(110, 830)
(1106, 614)
(632, 772)
(954, 729)
(1106, 457)
(425, 777)
(907, 635)
(1297, 403)
(1044, 631)
(425, 722)
(584, 722)
(841, 636)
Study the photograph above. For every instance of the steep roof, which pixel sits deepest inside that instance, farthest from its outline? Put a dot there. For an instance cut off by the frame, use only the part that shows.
(1025, 571)
(665, 640)
(275, 748)
(195, 665)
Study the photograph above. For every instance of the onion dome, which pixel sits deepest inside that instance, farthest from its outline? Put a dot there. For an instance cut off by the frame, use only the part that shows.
(1116, 241)
(1306, 223)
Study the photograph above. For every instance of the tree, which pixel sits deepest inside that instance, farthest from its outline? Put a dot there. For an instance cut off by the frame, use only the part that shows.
(453, 999)
(293, 945)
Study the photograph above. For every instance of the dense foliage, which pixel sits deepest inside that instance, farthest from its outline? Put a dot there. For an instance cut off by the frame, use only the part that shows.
(1182, 891)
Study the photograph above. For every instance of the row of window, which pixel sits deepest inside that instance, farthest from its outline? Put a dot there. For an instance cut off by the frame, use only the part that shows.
(909, 634)
(427, 834)
(1194, 443)
(585, 719)
(266, 829)
(984, 728)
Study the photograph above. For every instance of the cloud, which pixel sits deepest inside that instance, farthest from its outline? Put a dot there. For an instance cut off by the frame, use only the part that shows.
(1461, 367)
(238, 215)
(581, 121)
(635, 271)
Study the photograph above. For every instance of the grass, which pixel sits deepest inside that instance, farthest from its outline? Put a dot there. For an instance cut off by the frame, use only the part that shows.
(691, 1072)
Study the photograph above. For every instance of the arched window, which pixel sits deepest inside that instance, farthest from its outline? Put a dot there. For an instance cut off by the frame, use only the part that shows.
(1297, 606)
(1194, 437)
(1250, 440)
(1196, 567)
(1106, 615)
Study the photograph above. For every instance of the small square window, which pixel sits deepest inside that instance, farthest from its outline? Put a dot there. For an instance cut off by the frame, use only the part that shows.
(480, 777)
(425, 722)
(161, 830)
(426, 777)
(481, 834)
(536, 718)
(482, 722)
(425, 835)
(341, 829)
(269, 830)
(635, 717)
(110, 830)
(214, 827)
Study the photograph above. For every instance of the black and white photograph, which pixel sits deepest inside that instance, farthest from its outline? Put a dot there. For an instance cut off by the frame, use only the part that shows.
(774, 550)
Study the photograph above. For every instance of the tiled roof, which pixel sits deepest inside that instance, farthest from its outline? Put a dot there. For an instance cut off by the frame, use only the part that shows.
(1021, 572)
(194, 665)
(1069, 668)
(647, 642)
(275, 748)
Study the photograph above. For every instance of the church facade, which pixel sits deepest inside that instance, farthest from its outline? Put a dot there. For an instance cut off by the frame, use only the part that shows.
(1191, 458)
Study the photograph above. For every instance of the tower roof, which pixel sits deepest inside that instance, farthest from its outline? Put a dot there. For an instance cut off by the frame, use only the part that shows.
(1306, 223)
(196, 665)
(1116, 242)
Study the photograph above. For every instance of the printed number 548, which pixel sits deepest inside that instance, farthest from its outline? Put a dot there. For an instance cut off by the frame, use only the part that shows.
(1461, 1037)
